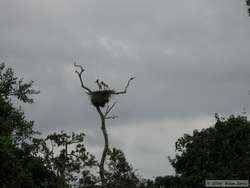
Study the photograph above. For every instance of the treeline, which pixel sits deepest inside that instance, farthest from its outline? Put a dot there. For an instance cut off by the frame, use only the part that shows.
(220, 152)
(61, 160)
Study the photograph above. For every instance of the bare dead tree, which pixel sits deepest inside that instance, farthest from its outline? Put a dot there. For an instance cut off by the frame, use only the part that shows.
(100, 99)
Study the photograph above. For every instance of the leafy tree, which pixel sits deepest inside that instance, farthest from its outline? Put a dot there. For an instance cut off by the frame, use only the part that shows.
(218, 152)
(69, 158)
(12, 120)
(119, 172)
(18, 167)
(145, 183)
(169, 181)
(10, 85)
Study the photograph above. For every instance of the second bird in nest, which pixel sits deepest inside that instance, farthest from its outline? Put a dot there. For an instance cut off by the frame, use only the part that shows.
(102, 85)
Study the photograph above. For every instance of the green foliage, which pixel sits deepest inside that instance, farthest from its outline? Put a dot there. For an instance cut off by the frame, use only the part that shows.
(120, 173)
(13, 123)
(12, 120)
(168, 181)
(18, 167)
(10, 85)
(69, 158)
(218, 152)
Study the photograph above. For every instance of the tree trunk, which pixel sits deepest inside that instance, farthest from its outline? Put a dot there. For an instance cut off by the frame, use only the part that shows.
(105, 149)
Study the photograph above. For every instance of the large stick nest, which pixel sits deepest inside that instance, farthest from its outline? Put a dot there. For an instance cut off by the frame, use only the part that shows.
(101, 97)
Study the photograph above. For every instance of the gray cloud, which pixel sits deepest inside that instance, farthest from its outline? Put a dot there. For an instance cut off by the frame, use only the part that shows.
(191, 59)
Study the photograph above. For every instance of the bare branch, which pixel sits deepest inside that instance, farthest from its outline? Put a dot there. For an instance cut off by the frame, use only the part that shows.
(80, 76)
(80, 66)
(111, 117)
(109, 108)
(125, 90)
(106, 109)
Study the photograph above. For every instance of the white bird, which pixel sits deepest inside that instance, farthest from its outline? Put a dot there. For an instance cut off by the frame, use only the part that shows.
(104, 85)
(99, 85)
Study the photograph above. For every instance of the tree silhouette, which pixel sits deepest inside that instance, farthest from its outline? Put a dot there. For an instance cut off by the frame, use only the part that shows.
(218, 152)
(101, 99)
(248, 4)
(120, 173)
(69, 158)
(20, 162)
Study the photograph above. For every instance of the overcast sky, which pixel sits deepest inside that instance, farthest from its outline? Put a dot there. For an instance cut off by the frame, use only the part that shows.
(191, 59)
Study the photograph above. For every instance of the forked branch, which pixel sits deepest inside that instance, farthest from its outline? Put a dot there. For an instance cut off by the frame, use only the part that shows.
(109, 108)
(125, 90)
(80, 77)
(111, 117)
